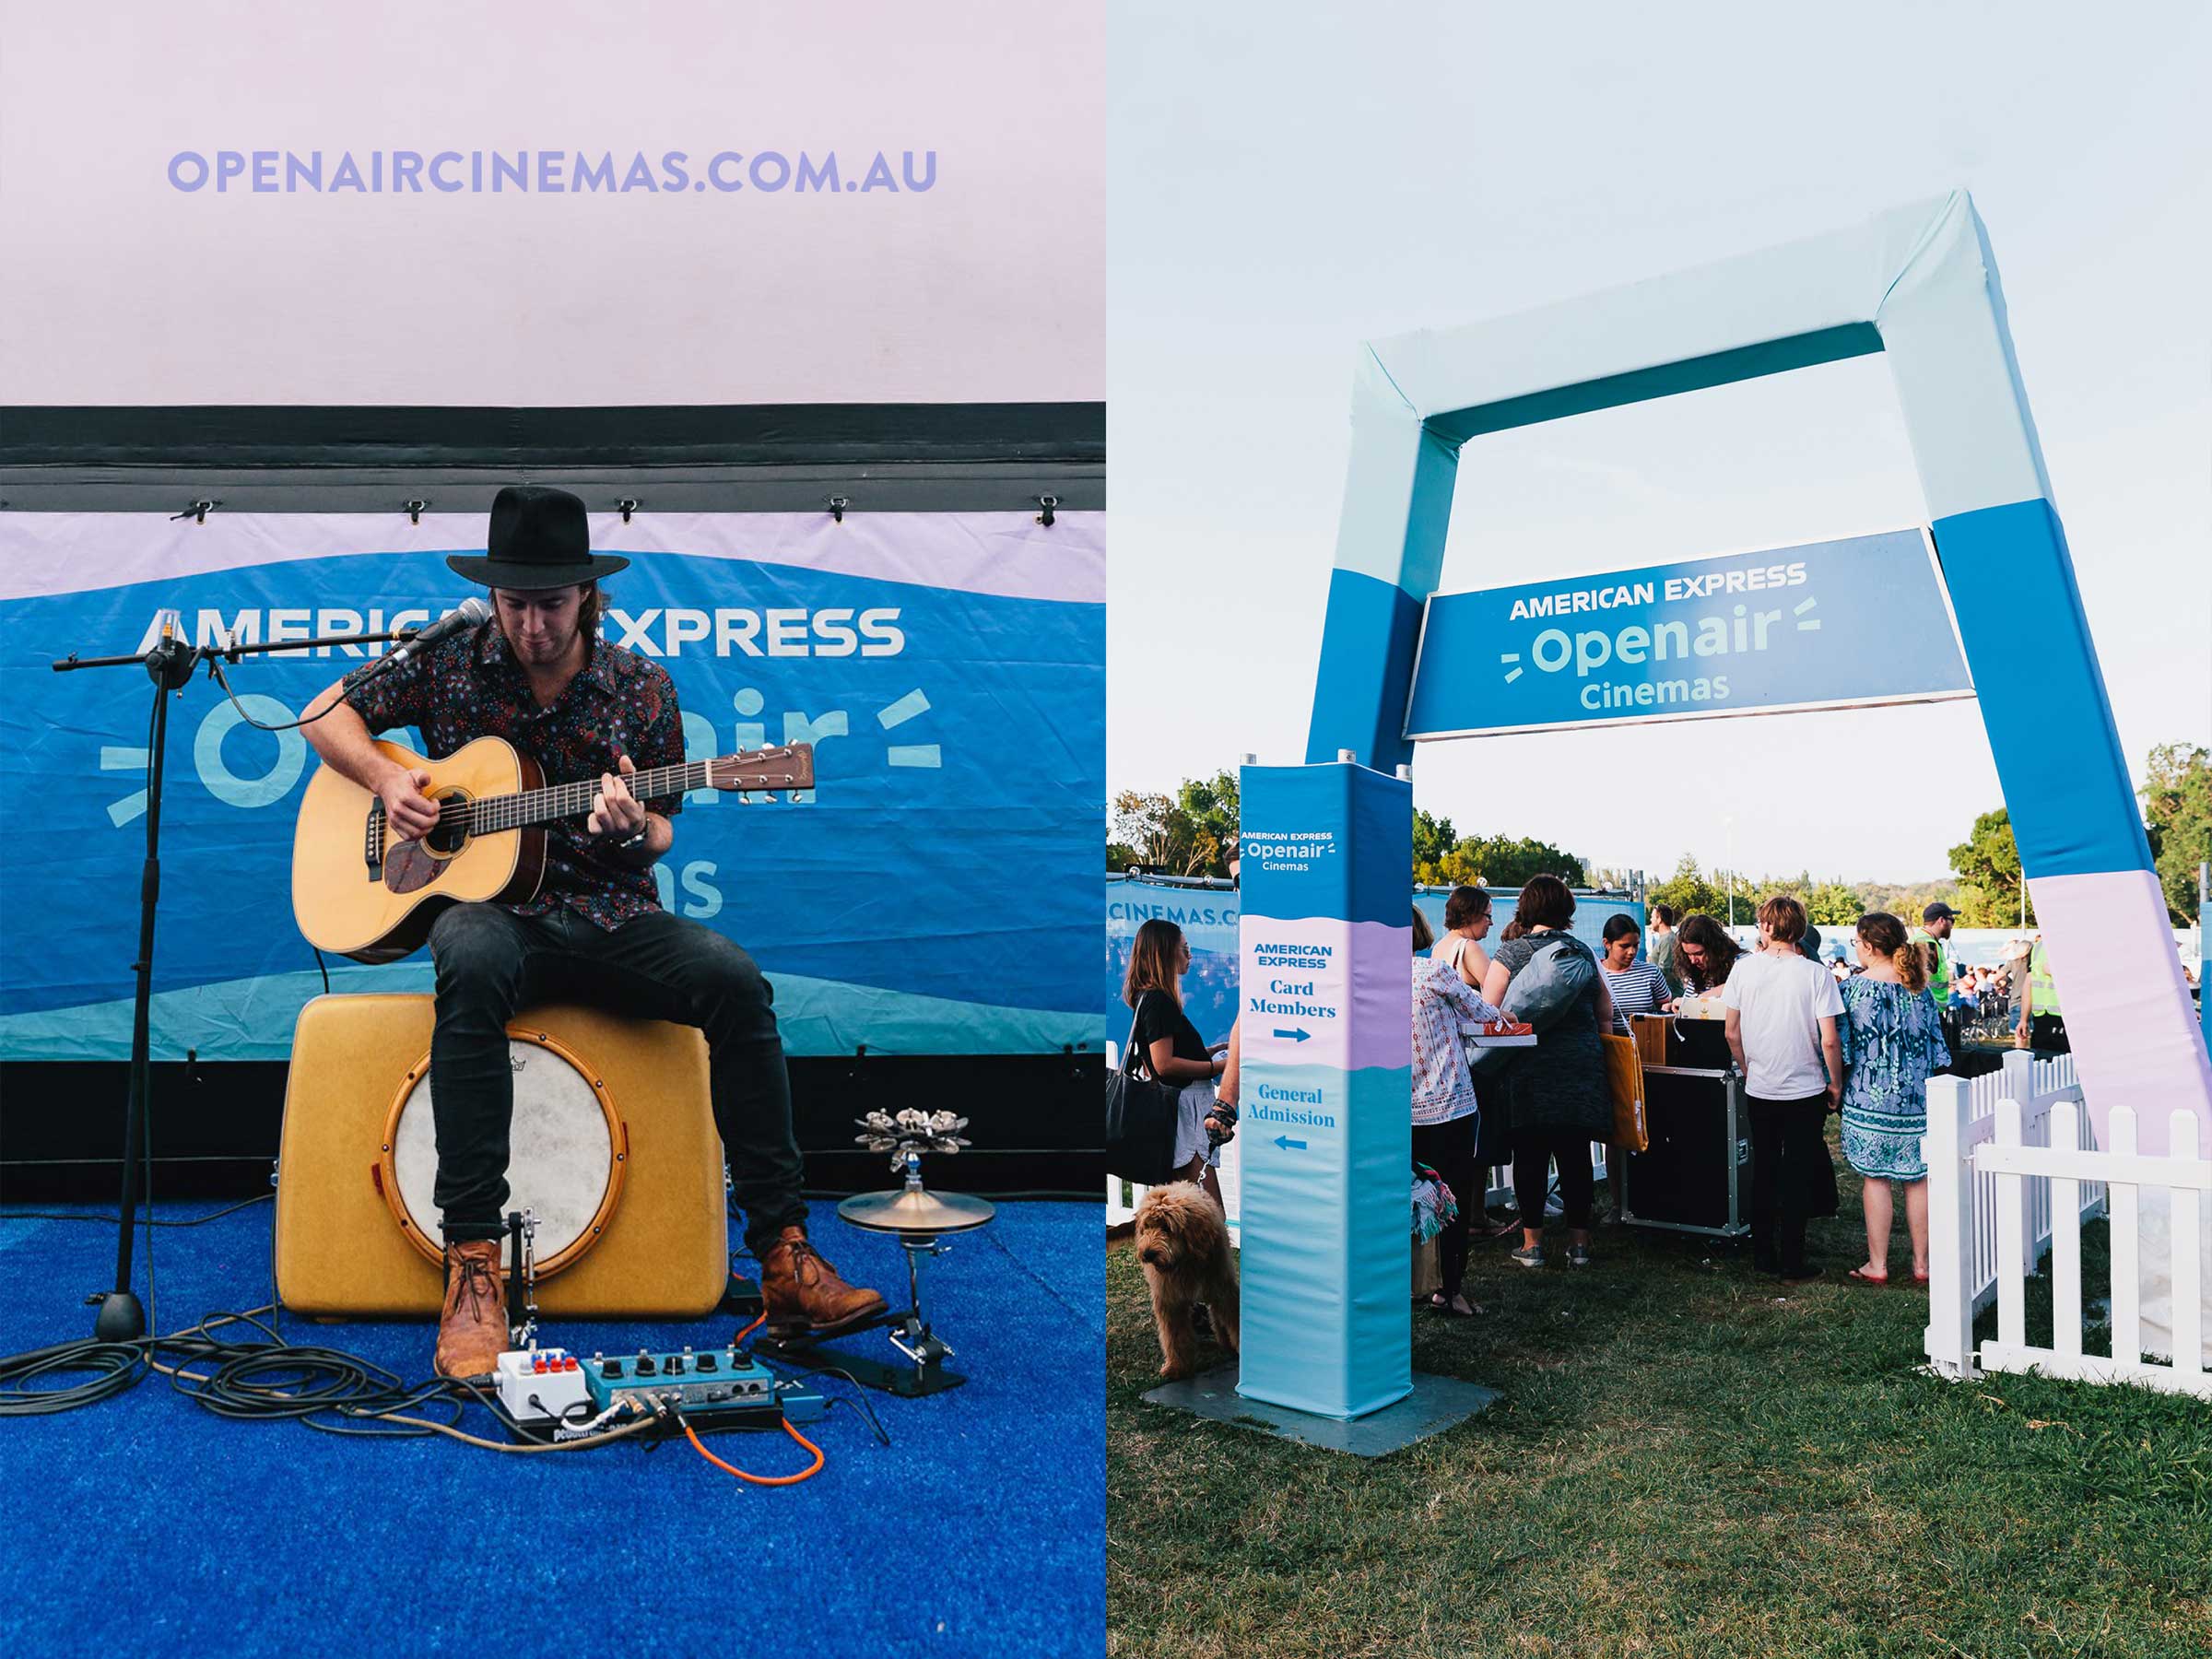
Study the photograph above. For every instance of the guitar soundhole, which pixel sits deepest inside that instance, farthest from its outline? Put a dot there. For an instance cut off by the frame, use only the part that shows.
(451, 833)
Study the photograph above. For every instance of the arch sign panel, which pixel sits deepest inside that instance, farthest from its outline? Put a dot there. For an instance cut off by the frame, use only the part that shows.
(1834, 625)
(1918, 283)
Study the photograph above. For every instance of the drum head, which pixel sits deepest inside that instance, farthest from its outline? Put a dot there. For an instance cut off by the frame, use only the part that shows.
(566, 1152)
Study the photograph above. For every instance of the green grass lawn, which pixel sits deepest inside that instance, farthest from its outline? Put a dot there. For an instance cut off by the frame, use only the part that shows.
(1688, 1460)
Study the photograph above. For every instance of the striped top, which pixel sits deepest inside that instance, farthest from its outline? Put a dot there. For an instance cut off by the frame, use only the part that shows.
(1639, 988)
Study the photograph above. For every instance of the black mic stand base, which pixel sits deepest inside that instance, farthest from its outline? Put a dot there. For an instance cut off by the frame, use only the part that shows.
(120, 1318)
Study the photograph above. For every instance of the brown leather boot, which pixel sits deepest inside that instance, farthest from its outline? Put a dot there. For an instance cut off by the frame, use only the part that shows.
(804, 1293)
(472, 1329)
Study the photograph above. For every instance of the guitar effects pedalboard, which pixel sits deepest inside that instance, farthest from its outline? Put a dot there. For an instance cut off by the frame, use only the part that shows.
(713, 1388)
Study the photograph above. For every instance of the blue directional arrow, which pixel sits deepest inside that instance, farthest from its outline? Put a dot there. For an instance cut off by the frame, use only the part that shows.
(1296, 1034)
(1287, 1144)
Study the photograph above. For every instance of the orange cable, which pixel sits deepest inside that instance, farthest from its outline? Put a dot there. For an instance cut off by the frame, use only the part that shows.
(772, 1480)
(750, 1329)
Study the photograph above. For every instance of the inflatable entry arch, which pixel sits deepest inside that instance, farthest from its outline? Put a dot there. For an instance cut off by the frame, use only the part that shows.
(1918, 283)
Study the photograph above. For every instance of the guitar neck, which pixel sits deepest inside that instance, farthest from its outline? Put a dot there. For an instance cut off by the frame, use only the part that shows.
(488, 814)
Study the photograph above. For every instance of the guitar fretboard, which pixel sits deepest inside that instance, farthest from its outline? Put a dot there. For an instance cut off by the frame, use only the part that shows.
(490, 813)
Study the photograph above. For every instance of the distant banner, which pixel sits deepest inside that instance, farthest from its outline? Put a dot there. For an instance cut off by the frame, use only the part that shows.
(1827, 624)
(949, 669)
(1207, 917)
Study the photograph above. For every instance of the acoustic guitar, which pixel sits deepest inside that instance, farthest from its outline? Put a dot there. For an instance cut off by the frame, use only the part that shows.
(357, 893)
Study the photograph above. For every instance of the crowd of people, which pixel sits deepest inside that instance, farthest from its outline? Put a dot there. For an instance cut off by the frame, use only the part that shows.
(1807, 1043)
(1812, 1035)
(2004, 994)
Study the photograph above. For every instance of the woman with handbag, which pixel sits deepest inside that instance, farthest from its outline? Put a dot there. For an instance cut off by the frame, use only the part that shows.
(1635, 987)
(1467, 924)
(1557, 1094)
(1445, 1118)
(1167, 1046)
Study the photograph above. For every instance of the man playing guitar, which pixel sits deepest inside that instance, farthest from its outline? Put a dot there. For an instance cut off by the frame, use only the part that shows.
(538, 675)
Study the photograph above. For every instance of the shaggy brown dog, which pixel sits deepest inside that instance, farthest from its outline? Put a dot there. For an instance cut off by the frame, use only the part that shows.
(1183, 1239)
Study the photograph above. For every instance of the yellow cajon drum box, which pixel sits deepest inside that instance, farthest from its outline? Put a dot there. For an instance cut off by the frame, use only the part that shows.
(614, 1148)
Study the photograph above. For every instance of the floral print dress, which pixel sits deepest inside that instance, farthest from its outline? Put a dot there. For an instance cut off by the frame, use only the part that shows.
(1892, 1042)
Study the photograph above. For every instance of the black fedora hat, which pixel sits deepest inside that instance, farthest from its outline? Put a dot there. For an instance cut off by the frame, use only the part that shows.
(540, 537)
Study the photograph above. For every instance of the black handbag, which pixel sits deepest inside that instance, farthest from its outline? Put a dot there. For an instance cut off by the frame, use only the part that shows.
(1140, 1122)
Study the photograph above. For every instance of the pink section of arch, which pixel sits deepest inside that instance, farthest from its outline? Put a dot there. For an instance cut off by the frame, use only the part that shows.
(2127, 1006)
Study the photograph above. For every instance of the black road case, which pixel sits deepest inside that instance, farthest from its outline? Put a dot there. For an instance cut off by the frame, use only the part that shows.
(1697, 1176)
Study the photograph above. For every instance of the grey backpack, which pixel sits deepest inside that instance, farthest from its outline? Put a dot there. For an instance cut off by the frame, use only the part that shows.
(1552, 980)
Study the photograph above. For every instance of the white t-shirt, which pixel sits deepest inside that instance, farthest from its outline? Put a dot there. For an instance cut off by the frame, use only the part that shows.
(1779, 1000)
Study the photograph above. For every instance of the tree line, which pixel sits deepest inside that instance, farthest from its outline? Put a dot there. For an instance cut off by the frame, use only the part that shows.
(1193, 832)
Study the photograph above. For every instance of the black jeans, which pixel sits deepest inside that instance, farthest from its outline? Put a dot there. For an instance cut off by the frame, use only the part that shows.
(1449, 1149)
(1786, 1138)
(492, 962)
(1534, 1152)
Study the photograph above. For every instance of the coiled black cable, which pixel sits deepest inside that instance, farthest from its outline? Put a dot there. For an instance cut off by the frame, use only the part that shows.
(116, 1368)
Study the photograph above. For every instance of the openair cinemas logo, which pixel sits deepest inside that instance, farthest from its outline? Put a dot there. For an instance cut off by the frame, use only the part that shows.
(550, 173)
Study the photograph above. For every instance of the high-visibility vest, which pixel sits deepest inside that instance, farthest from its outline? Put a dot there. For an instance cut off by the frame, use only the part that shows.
(2042, 990)
(1921, 936)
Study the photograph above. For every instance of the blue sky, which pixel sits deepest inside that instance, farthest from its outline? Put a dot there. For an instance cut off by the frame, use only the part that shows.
(1278, 193)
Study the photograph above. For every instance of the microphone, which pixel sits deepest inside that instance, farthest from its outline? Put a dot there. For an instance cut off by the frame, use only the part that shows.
(462, 617)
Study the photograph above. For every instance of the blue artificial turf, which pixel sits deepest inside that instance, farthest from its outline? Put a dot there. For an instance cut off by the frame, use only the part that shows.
(144, 1522)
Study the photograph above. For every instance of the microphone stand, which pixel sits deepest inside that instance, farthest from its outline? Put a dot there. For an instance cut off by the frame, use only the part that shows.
(170, 665)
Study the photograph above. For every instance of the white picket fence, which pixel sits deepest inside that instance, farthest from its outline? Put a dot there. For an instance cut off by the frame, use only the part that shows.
(2013, 1170)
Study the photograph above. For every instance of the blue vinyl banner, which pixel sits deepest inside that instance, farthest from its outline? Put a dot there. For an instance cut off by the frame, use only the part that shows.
(1326, 1132)
(1207, 916)
(1827, 624)
(949, 669)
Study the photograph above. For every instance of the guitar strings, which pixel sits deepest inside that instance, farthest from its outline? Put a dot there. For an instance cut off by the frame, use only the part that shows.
(490, 814)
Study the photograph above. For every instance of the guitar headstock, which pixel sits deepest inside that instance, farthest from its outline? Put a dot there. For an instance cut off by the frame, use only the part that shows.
(790, 766)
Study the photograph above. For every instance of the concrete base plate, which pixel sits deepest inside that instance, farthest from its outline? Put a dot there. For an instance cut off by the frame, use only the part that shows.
(1435, 1403)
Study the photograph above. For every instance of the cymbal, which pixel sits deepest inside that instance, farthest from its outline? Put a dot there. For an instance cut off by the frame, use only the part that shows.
(913, 1210)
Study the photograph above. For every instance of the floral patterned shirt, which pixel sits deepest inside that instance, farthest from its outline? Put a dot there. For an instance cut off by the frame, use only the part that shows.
(619, 704)
(1444, 1006)
(1893, 1044)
